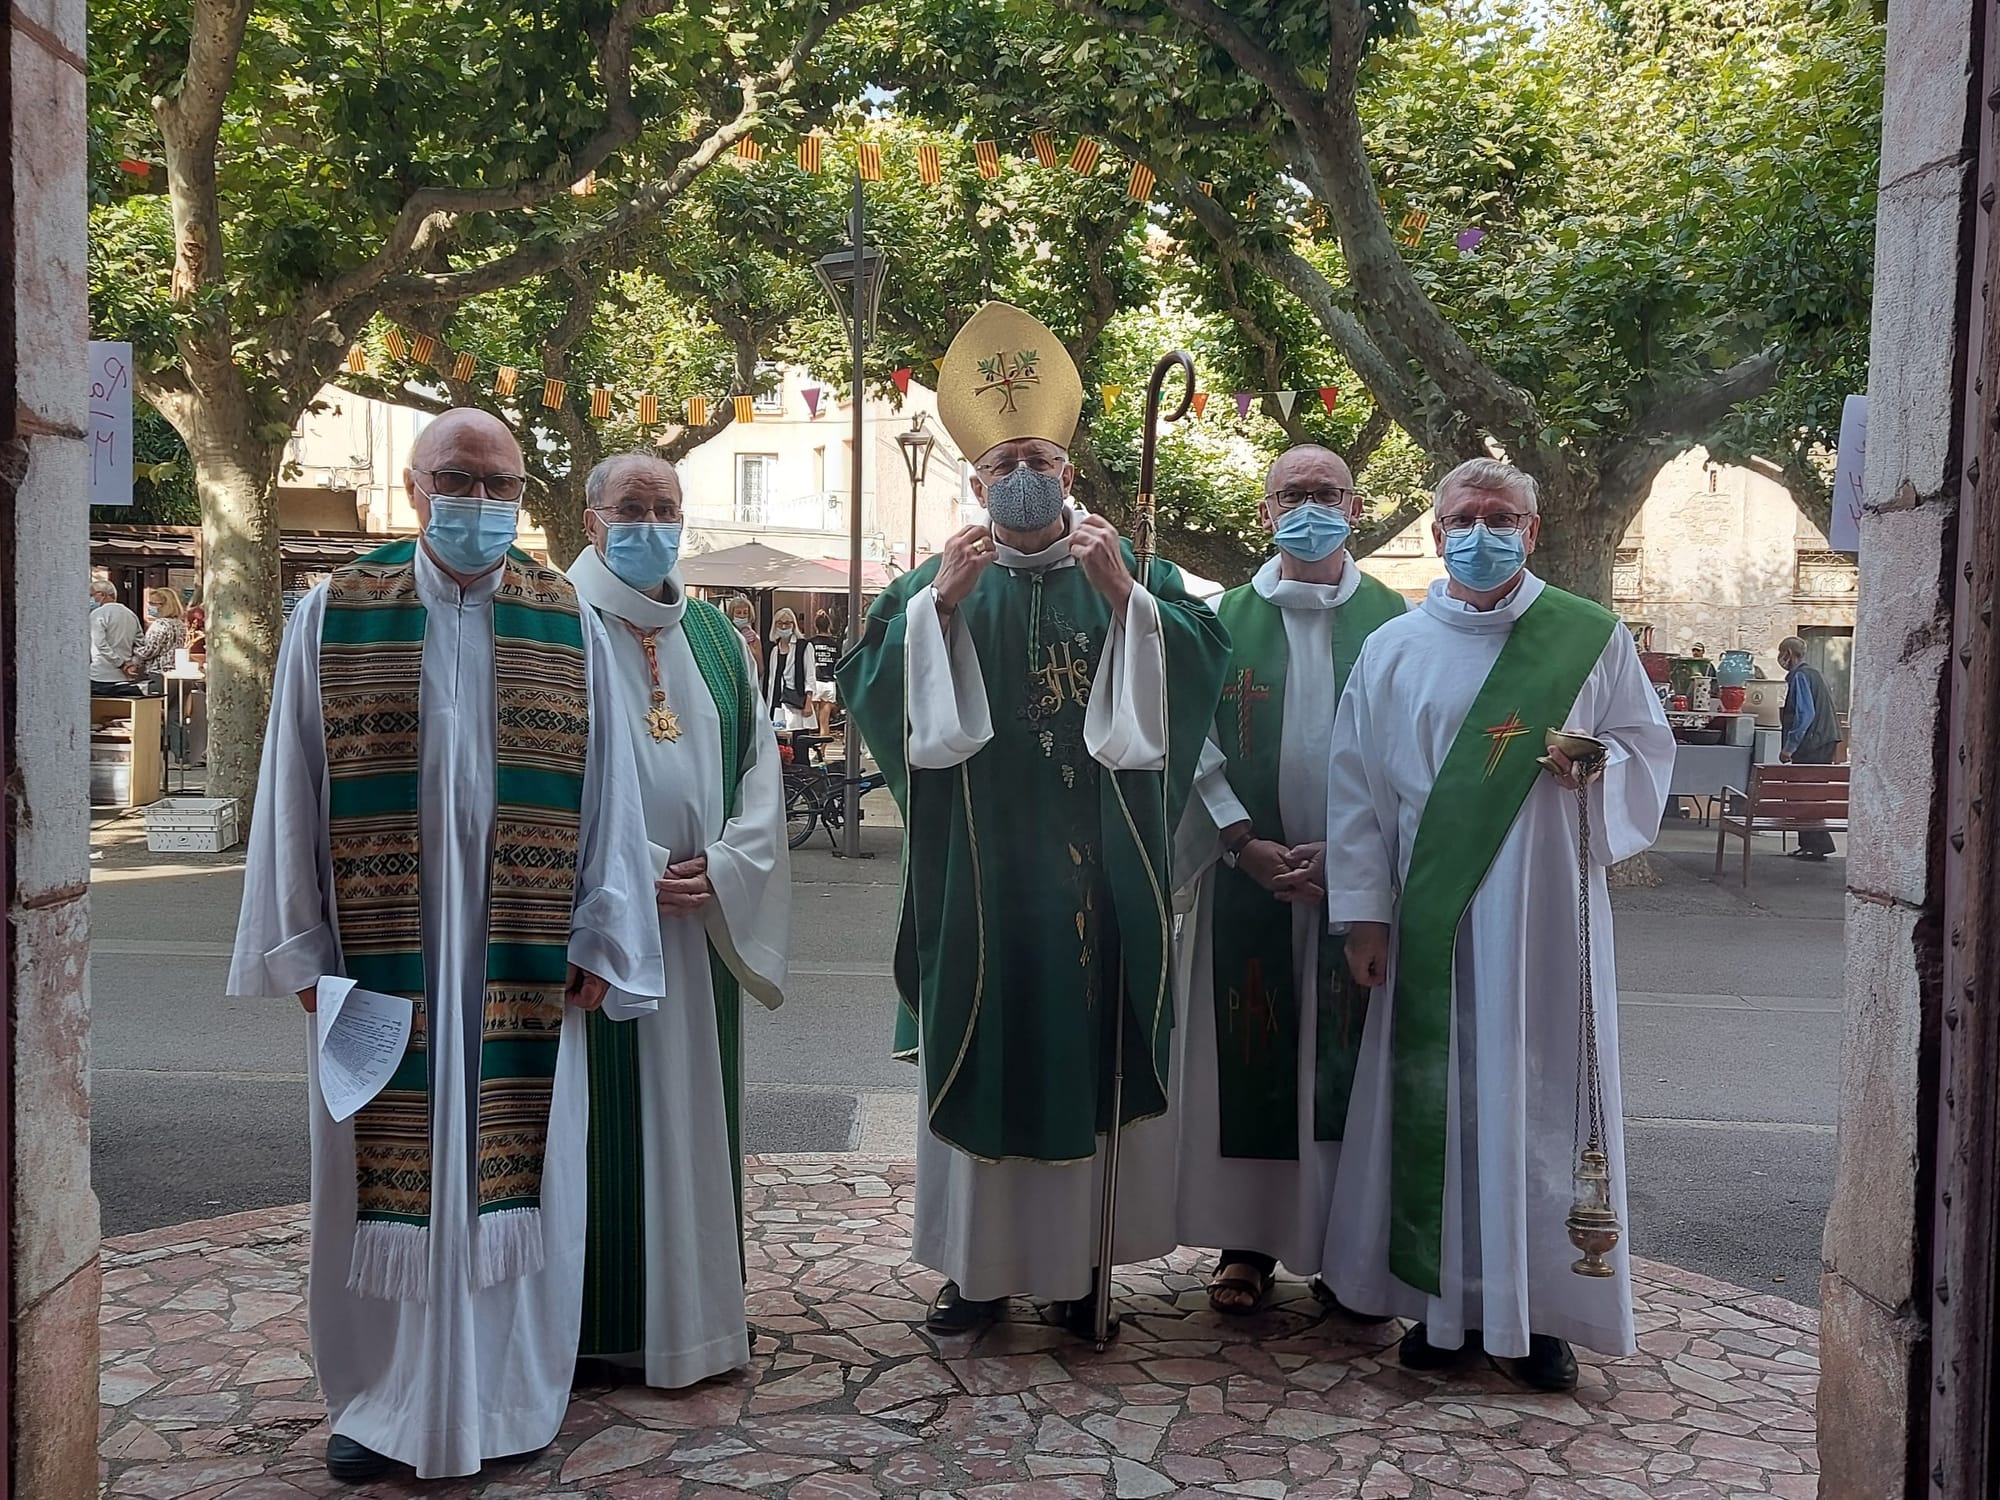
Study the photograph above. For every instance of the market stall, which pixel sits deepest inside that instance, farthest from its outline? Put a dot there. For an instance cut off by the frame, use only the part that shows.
(1719, 731)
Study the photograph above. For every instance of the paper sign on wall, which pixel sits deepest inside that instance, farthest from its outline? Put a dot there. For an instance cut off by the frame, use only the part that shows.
(110, 423)
(1844, 535)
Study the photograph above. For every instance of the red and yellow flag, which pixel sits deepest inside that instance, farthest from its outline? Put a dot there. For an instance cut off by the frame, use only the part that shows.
(812, 152)
(1044, 145)
(396, 344)
(1207, 189)
(423, 349)
(747, 150)
(1415, 222)
(930, 166)
(600, 403)
(697, 411)
(1084, 158)
(357, 360)
(553, 392)
(1140, 188)
(987, 154)
(746, 408)
(505, 379)
(868, 158)
(463, 366)
(649, 410)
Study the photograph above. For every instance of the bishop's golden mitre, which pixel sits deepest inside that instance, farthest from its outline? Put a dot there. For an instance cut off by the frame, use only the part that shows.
(1007, 377)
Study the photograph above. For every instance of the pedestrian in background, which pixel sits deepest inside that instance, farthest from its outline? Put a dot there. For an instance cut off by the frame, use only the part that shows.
(787, 673)
(745, 620)
(114, 631)
(1811, 732)
(166, 633)
(826, 653)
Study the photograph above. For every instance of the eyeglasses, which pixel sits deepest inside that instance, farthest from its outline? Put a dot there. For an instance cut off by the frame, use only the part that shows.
(457, 484)
(632, 513)
(1289, 499)
(1500, 523)
(1041, 463)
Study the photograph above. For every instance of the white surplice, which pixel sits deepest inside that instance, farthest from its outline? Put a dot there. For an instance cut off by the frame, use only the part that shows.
(1510, 1138)
(1231, 1203)
(1026, 1228)
(465, 1374)
(695, 1325)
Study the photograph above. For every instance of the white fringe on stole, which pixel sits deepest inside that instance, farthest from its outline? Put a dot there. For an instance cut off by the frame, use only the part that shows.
(392, 1262)
(508, 1244)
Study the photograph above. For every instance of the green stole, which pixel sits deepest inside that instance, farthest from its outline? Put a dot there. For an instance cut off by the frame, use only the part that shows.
(1256, 993)
(614, 1281)
(1485, 778)
(371, 669)
(1035, 881)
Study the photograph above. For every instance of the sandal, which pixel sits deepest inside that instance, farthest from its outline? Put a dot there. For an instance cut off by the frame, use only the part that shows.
(1256, 1287)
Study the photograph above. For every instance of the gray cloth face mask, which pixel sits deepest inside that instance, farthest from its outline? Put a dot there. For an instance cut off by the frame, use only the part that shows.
(1025, 501)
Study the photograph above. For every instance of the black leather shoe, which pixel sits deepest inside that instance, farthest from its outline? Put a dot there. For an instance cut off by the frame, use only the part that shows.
(350, 1463)
(1417, 1352)
(1080, 1317)
(1550, 1365)
(952, 1314)
(1323, 1295)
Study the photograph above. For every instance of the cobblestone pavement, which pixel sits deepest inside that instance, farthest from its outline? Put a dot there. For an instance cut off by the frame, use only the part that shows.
(208, 1392)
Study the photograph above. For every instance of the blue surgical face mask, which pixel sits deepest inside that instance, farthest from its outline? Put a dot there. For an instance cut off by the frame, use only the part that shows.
(642, 553)
(1313, 532)
(1025, 501)
(1480, 559)
(470, 536)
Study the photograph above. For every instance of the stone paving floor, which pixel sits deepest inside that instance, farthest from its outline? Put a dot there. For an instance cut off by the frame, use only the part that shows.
(208, 1390)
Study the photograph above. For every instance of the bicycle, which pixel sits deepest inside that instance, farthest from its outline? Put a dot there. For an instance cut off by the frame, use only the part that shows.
(816, 793)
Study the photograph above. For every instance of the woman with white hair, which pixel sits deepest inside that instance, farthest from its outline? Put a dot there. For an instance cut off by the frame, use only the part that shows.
(787, 673)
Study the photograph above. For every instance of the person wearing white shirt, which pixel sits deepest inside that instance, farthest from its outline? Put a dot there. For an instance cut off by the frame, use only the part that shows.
(114, 632)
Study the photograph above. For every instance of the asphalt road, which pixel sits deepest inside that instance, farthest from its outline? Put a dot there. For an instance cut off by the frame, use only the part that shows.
(1729, 1013)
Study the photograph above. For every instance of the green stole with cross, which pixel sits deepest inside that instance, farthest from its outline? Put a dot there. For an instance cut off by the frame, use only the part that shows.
(1257, 994)
(614, 1280)
(1486, 776)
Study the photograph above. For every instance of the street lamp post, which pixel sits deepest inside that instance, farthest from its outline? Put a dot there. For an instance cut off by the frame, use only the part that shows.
(916, 445)
(853, 279)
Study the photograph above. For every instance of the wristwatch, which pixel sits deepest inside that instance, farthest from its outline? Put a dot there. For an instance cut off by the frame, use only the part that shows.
(1235, 851)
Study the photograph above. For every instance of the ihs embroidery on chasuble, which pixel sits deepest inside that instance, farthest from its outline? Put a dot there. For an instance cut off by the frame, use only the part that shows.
(1056, 693)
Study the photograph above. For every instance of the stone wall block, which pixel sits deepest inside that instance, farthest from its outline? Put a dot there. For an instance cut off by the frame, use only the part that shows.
(49, 598)
(55, 1391)
(1869, 1226)
(1902, 641)
(60, 21)
(51, 317)
(1871, 1360)
(1928, 73)
(1911, 405)
(56, 1228)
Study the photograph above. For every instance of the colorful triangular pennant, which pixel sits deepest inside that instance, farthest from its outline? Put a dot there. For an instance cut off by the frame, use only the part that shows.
(812, 393)
(1330, 394)
(1111, 393)
(1242, 400)
(1286, 401)
(902, 379)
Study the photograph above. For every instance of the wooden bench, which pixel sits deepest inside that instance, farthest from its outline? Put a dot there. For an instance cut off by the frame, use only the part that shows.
(1782, 799)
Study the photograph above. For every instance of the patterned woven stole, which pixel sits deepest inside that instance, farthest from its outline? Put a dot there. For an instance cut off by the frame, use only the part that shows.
(371, 670)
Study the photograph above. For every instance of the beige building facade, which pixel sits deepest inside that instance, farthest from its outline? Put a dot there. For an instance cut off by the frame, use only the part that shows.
(783, 478)
(1718, 557)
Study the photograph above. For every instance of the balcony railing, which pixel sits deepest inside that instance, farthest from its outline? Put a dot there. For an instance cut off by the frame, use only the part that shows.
(1831, 577)
(825, 510)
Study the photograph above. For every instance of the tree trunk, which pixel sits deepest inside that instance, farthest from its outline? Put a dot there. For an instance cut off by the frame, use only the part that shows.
(235, 475)
(560, 514)
(1579, 541)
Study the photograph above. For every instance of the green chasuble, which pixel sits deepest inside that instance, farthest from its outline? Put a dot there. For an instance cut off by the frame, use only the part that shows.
(614, 1267)
(1035, 883)
(1256, 992)
(1480, 788)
